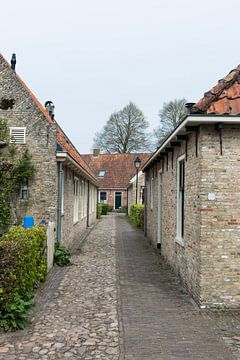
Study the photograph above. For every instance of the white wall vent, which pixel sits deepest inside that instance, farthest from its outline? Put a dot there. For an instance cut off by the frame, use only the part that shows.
(18, 135)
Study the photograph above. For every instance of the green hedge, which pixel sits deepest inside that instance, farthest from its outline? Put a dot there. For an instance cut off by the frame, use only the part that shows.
(99, 211)
(137, 215)
(23, 262)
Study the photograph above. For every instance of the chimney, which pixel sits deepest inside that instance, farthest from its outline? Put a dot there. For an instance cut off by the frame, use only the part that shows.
(49, 106)
(13, 62)
(96, 152)
(189, 107)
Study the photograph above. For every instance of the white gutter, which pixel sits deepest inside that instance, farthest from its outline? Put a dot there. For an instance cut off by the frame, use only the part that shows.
(194, 120)
(64, 156)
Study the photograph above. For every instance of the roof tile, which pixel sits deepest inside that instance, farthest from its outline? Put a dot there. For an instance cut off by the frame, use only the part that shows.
(223, 98)
(119, 168)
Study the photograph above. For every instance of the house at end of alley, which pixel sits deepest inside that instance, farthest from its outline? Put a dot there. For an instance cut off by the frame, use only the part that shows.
(193, 196)
(62, 194)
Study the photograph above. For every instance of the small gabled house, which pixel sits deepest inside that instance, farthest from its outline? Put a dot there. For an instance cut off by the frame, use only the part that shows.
(193, 196)
(114, 171)
(62, 193)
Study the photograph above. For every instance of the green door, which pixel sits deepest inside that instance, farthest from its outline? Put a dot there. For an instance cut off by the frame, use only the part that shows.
(118, 200)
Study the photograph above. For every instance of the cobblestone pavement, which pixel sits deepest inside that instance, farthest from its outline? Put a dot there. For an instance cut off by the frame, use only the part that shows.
(76, 313)
(159, 321)
(81, 309)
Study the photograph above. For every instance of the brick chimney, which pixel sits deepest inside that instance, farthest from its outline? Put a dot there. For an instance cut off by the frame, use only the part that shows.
(96, 152)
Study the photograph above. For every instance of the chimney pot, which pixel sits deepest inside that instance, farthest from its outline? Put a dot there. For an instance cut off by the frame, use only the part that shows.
(96, 152)
(13, 62)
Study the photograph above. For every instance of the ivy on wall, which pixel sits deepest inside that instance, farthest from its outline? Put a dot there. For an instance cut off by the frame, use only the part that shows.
(15, 171)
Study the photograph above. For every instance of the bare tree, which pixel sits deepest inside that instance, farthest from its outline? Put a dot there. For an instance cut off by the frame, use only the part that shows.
(170, 115)
(124, 132)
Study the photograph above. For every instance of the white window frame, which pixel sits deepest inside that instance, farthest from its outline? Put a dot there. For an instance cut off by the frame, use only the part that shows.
(104, 201)
(179, 238)
(11, 129)
(76, 200)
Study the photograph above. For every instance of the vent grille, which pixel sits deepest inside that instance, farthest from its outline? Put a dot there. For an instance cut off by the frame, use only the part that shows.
(18, 135)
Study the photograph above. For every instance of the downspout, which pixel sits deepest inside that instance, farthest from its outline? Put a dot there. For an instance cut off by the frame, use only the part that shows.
(59, 211)
(88, 203)
(145, 206)
(97, 203)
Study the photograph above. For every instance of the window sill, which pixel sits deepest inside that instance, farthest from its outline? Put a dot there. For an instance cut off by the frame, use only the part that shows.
(75, 222)
(180, 241)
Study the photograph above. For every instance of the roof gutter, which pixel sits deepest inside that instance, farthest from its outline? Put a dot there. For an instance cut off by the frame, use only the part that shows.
(196, 120)
(63, 156)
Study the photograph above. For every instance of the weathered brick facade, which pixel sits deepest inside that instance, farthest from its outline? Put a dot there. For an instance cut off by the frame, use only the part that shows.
(209, 260)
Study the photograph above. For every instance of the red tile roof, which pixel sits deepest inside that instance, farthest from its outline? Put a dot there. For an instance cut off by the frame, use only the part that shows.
(223, 98)
(119, 168)
(62, 138)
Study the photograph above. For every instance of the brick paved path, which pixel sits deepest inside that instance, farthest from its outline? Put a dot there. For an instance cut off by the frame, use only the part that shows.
(159, 320)
(76, 312)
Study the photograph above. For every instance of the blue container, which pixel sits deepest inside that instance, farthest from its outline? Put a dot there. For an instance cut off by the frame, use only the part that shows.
(28, 222)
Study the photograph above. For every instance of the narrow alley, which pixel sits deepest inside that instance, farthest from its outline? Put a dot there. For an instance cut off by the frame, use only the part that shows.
(120, 302)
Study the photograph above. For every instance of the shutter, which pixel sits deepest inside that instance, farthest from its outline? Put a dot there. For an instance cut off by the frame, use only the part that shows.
(18, 135)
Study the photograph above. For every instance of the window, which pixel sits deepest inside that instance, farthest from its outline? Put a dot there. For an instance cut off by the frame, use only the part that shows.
(85, 198)
(18, 135)
(101, 173)
(180, 199)
(76, 200)
(103, 197)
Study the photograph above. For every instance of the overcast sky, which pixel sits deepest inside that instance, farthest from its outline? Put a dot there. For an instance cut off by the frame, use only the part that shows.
(92, 57)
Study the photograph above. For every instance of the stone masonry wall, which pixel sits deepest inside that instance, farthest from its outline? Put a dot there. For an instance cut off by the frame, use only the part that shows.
(41, 143)
(220, 217)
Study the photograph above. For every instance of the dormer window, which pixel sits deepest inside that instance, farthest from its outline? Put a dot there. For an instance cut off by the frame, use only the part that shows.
(18, 135)
(101, 173)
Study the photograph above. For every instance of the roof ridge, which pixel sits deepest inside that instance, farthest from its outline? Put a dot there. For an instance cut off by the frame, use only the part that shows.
(47, 116)
(216, 91)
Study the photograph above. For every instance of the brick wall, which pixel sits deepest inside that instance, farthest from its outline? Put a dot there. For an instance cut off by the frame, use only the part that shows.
(183, 259)
(208, 263)
(111, 196)
(220, 218)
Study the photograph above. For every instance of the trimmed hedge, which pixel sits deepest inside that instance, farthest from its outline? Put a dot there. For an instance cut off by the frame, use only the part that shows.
(99, 211)
(23, 262)
(137, 215)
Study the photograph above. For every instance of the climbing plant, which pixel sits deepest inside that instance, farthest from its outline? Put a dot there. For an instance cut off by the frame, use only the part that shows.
(15, 171)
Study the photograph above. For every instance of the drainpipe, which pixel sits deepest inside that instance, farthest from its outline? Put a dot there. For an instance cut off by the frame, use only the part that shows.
(97, 203)
(59, 211)
(145, 206)
(88, 203)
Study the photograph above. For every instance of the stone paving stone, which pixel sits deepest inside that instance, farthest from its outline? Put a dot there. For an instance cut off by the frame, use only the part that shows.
(76, 314)
(159, 320)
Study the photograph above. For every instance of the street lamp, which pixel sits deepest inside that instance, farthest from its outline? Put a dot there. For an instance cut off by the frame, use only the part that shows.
(137, 163)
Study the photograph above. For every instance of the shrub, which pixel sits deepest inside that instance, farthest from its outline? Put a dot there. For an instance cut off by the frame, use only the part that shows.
(110, 208)
(105, 209)
(99, 211)
(137, 215)
(61, 255)
(122, 210)
(23, 265)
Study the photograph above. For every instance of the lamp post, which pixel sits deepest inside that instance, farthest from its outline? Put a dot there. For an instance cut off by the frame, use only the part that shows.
(137, 163)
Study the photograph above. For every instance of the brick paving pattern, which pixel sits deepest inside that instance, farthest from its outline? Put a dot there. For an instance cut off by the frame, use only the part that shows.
(81, 309)
(159, 319)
